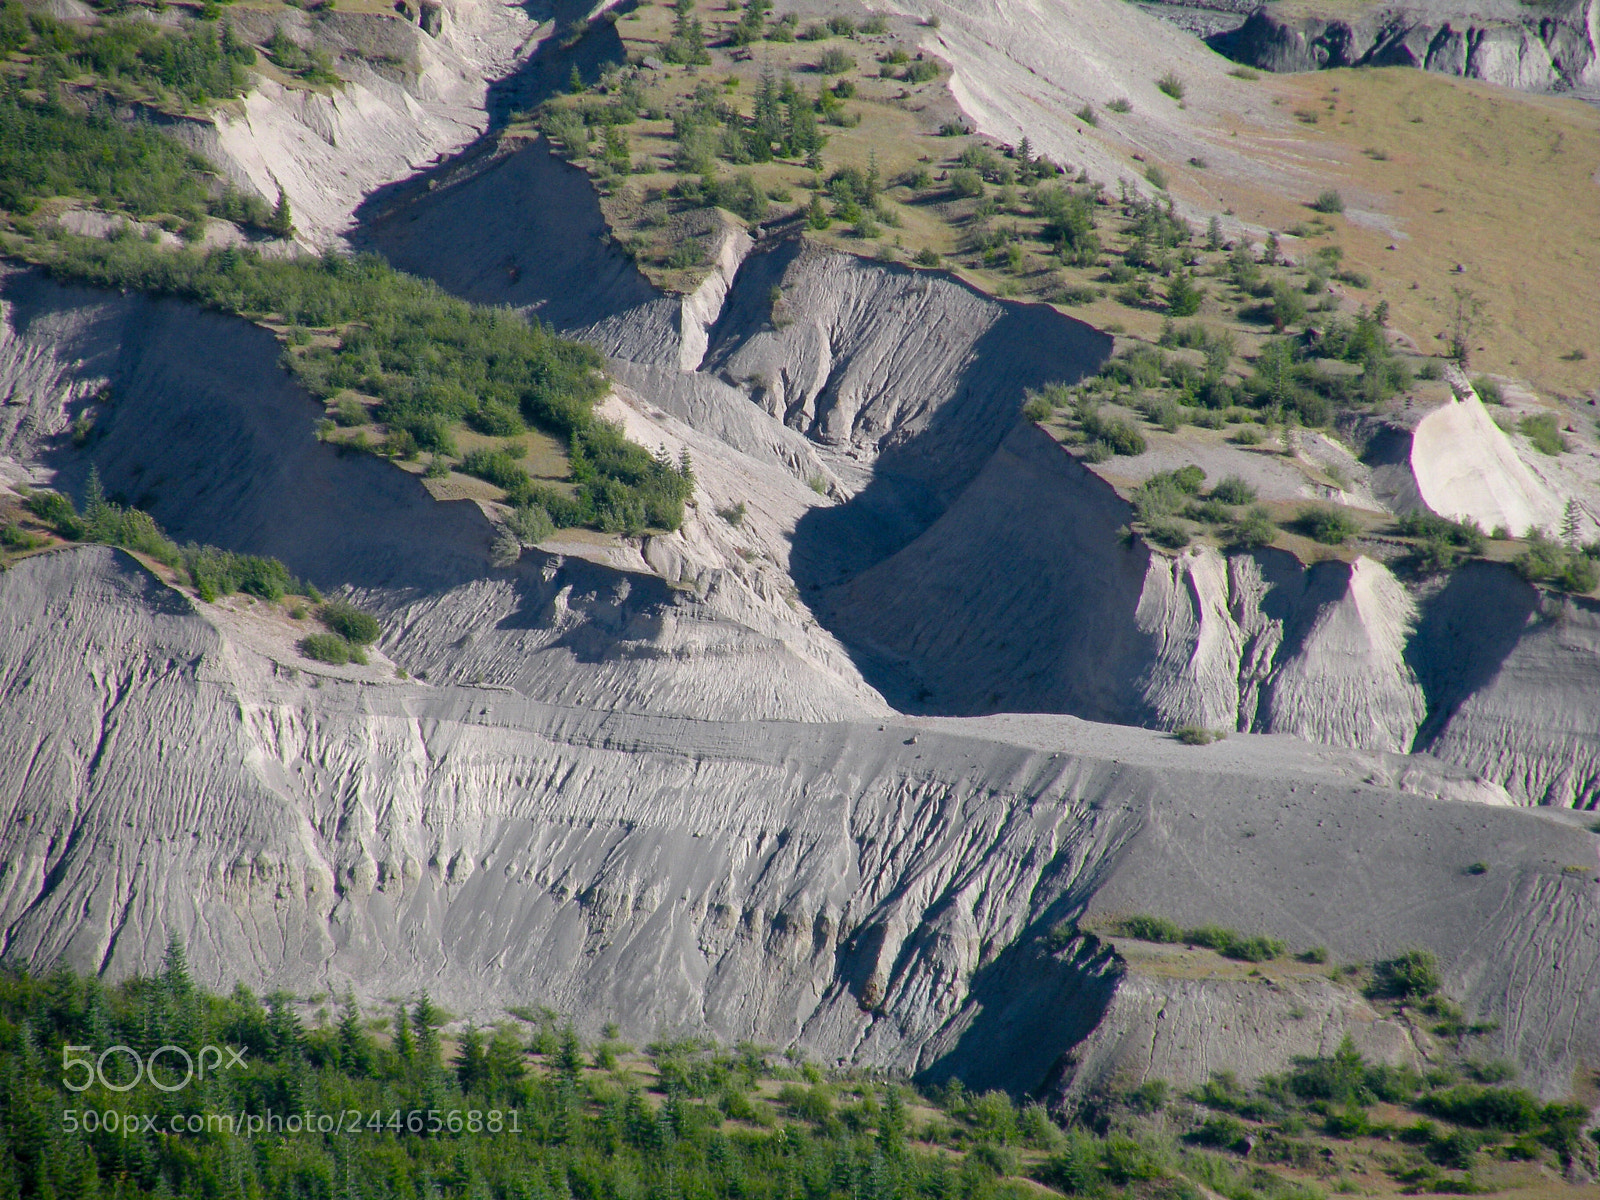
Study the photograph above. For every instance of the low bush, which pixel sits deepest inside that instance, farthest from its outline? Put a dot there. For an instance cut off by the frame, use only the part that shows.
(1167, 533)
(1550, 562)
(218, 573)
(1515, 1110)
(530, 524)
(331, 648)
(1255, 528)
(1147, 928)
(1111, 433)
(1328, 201)
(1330, 526)
(1221, 1131)
(1413, 975)
(14, 537)
(1488, 390)
(1233, 490)
(496, 467)
(349, 622)
(1544, 431)
(834, 61)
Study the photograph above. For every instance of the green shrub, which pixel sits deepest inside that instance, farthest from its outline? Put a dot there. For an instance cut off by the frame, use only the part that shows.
(1037, 408)
(530, 524)
(497, 467)
(1328, 201)
(1546, 561)
(1147, 928)
(1149, 1097)
(1413, 975)
(1167, 533)
(58, 512)
(1120, 105)
(497, 420)
(1346, 1123)
(1488, 390)
(331, 648)
(349, 411)
(964, 181)
(1544, 431)
(1515, 1110)
(1221, 1131)
(217, 573)
(834, 61)
(1256, 948)
(1196, 735)
(1112, 433)
(14, 537)
(1211, 512)
(1233, 490)
(349, 622)
(1171, 85)
(1255, 528)
(1330, 526)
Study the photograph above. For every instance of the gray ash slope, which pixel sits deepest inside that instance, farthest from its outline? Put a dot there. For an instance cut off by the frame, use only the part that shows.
(753, 879)
(665, 781)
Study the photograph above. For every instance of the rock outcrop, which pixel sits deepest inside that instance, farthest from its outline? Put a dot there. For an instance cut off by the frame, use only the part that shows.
(1546, 47)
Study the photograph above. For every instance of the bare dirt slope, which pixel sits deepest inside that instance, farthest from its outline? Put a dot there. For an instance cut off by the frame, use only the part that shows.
(745, 879)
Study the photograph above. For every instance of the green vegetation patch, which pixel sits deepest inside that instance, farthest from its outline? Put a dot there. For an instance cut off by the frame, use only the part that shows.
(210, 571)
(349, 622)
(1562, 566)
(433, 362)
(331, 648)
(1253, 948)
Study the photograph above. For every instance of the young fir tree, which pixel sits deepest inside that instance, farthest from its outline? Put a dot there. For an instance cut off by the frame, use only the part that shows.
(282, 221)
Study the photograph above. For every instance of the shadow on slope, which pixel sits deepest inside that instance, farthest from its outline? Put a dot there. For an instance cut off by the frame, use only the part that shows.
(1466, 632)
(513, 224)
(522, 228)
(1021, 596)
(206, 431)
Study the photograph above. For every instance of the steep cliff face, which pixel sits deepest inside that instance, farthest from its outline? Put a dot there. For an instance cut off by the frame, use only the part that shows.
(177, 766)
(1549, 47)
